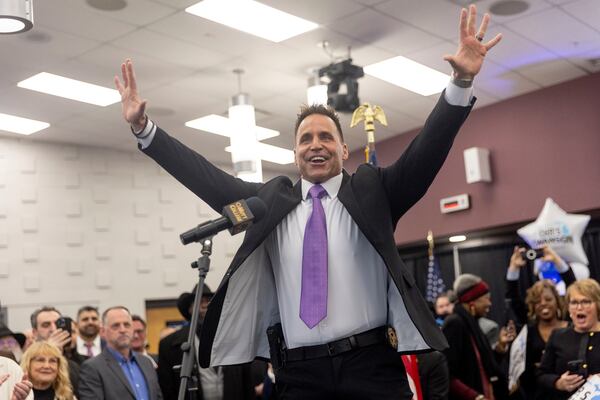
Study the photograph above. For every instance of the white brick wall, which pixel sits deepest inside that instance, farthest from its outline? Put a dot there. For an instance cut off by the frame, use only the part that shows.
(84, 225)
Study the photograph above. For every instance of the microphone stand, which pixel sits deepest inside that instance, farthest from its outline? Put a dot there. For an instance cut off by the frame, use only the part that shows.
(189, 348)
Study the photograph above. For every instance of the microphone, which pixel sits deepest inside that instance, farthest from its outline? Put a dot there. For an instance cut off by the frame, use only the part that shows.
(237, 217)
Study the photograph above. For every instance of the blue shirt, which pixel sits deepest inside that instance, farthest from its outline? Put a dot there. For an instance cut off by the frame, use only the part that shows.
(134, 374)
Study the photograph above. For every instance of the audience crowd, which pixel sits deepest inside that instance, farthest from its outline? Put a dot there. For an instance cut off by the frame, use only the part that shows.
(105, 356)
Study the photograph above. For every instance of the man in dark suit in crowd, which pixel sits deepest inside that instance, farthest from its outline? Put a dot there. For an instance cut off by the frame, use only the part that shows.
(326, 315)
(118, 373)
(226, 383)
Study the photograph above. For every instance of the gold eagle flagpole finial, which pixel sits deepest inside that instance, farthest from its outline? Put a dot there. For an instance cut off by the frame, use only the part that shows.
(369, 114)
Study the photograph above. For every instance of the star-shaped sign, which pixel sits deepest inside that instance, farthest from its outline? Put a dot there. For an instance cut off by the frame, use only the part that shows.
(559, 230)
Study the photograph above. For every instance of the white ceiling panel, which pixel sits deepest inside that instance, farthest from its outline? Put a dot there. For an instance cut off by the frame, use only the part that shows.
(589, 61)
(483, 98)
(137, 12)
(433, 56)
(319, 11)
(587, 11)
(389, 33)
(150, 71)
(438, 17)
(76, 18)
(551, 72)
(507, 85)
(19, 101)
(179, 4)
(564, 36)
(208, 34)
(175, 51)
(515, 51)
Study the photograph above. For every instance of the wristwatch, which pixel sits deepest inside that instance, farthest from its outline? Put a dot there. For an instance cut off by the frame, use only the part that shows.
(463, 83)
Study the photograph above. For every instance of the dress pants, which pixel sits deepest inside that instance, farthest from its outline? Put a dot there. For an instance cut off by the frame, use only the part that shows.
(373, 372)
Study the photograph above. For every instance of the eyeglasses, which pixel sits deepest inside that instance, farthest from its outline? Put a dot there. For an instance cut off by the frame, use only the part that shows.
(584, 303)
(43, 360)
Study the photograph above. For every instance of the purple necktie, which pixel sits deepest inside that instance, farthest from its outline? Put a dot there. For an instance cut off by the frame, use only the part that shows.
(313, 297)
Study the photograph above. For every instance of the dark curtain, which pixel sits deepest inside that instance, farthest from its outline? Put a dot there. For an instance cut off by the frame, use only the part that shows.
(591, 245)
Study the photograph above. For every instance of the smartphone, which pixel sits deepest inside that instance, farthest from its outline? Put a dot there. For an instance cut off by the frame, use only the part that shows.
(65, 323)
(574, 366)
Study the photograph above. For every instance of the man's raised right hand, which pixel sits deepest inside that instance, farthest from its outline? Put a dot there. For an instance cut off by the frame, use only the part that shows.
(134, 108)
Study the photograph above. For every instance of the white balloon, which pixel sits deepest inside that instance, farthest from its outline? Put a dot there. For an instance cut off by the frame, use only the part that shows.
(559, 230)
(580, 270)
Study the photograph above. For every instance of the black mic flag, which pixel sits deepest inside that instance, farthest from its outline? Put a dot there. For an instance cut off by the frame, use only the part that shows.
(236, 217)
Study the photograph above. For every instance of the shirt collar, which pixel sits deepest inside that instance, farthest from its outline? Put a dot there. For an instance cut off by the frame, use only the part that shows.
(119, 357)
(332, 186)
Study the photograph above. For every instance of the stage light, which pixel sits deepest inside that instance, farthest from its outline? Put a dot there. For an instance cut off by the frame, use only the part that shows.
(16, 16)
(342, 89)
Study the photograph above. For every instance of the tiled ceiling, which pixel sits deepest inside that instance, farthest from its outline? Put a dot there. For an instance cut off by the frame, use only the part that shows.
(184, 63)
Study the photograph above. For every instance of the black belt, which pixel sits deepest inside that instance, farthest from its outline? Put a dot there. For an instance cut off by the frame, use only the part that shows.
(368, 338)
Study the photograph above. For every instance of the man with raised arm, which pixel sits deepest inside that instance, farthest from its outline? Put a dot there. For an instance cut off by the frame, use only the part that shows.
(320, 272)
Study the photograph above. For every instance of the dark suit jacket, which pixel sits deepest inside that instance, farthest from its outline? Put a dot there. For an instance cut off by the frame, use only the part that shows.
(103, 378)
(237, 379)
(374, 197)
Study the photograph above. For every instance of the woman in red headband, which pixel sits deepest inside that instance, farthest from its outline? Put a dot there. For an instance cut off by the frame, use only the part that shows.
(473, 365)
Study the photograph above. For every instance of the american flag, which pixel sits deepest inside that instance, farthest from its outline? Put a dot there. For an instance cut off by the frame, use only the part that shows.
(435, 283)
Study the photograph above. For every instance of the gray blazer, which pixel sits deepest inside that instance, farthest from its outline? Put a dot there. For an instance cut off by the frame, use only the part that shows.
(101, 377)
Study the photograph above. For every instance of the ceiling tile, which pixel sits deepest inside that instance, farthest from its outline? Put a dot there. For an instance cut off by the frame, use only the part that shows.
(535, 6)
(589, 61)
(74, 17)
(321, 12)
(515, 51)
(389, 33)
(150, 71)
(439, 18)
(176, 51)
(587, 11)
(571, 39)
(507, 85)
(138, 12)
(551, 72)
(208, 34)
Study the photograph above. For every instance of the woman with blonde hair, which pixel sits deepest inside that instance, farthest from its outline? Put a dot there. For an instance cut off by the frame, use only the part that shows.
(571, 354)
(48, 370)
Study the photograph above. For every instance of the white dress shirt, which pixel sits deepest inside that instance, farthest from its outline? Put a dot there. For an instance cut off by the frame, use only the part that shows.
(357, 276)
(96, 346)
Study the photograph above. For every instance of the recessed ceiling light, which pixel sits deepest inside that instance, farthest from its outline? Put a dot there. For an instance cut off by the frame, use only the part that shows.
(274, 154)
(409, 74)
(22, 126)
(222, 126)
(252, 17)
(71, 89)
(457, 238)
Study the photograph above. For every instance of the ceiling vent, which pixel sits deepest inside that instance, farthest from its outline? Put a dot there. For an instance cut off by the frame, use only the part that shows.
(508, 7)
(107, 5)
